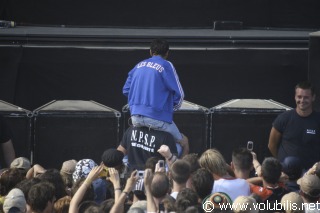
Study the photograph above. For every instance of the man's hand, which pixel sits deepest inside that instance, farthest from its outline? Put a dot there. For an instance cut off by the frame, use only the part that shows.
(165, 151)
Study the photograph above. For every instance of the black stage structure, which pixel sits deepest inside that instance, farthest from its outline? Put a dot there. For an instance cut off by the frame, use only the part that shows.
(44, 63)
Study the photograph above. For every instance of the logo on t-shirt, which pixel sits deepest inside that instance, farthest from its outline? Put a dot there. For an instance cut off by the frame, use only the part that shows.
(311, 131)
(143, 140)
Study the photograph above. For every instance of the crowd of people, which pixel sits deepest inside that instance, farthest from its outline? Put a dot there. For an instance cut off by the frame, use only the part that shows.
(152, 170)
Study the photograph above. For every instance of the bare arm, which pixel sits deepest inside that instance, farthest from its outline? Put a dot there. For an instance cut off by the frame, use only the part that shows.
(122, 149)
(76, 199)
(119, 204)
(8, 152)
(151, 206)
(274, 140)
(185, 145)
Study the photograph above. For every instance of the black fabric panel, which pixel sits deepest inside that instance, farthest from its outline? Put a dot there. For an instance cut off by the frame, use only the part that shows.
(165, 13)
(314, 66)
(208, 77)
(10, 57)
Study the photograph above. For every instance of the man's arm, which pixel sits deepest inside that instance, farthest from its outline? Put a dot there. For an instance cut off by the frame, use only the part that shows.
(8, 152)
(122, 149)
(274, 140)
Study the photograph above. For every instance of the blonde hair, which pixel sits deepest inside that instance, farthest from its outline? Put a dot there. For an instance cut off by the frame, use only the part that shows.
(213, 161)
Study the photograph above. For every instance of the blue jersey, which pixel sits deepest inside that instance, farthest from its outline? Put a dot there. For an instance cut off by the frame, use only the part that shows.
(153, 89)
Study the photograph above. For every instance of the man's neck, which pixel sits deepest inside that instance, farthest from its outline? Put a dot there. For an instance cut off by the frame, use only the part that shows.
(304, 113)
(178, 187)
(242, 174)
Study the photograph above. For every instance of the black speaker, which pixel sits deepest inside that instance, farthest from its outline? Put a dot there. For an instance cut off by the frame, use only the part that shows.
(73, 129)
(238, 121)
(314, 65)
(19, 121)
(192, 120)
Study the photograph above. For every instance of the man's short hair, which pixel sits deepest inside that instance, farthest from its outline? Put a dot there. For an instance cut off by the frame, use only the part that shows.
(159, 185)
(186, 197)
(180, 171)
(202, 182)
(242, 159)
(39, 195)
(159, 47)
(306, 85)
(213, 161)
(271, 170)
(192, 159)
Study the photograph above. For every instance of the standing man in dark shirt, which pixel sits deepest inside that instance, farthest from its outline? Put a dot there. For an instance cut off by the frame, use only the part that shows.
(141, 143)
(297, 132)
(6, 143)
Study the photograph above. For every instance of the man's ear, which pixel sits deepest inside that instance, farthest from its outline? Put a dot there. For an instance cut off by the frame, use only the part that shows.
(232, 166)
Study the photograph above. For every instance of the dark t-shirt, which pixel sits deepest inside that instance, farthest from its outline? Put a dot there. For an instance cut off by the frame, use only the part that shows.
(300, 137)
(142, 143)
(5, 132)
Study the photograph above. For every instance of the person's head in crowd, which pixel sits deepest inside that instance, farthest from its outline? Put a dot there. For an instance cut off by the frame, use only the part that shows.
(62, 205)
(151, 163)
(309, 188)
(82, 169)
(89, 194)
(53, 176)
(292, 203)
(136, 210)
(186, 197)
(192, 159)
(9, 178)
(15, 200)
(21, 163)
(106, 205)
(138, 206)
(159, 185)
(213, 161)
(41, 197)
(113, 158)
(180, 171)
(292, 167)
(220, 201)
(245, 204)
(271, 170)
(202, 182)
(89, 207)
(168, 203)
(242, 162)
(66, 171)
(26, 184)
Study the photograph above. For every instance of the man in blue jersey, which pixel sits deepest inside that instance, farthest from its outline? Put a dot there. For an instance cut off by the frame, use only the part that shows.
(154, 92)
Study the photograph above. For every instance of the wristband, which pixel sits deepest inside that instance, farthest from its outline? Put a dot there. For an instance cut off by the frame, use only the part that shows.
(117, 189)
(170, 157)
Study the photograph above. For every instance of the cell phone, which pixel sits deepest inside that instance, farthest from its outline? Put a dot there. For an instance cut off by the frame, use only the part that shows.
(104, 172)
(250, 146)
(140, 174)
(161, 163)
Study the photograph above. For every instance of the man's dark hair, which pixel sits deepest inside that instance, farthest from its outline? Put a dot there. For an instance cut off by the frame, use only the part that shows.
(192, 159)
(202, 182)
(271, 170)
(159, 47)
(53, 176)
(39, 195)
(306, 85)
(151, 163)
(159, 185)
(186, 198)
(180, 171)
(309, 198)
(242, 159)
